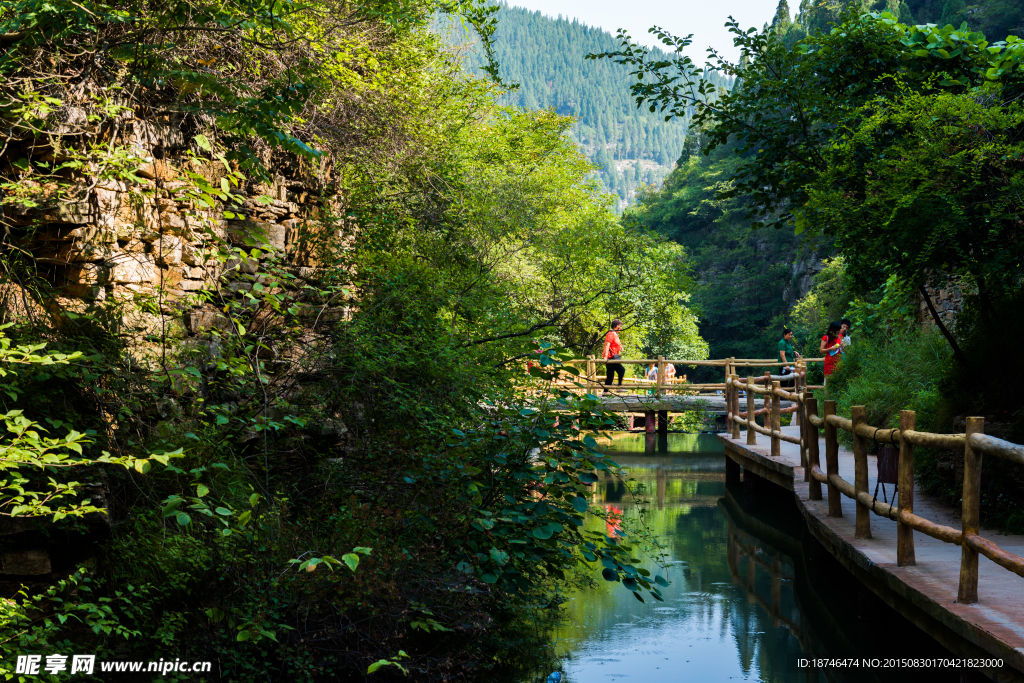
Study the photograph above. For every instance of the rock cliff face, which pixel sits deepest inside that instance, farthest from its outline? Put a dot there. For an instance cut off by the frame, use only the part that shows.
(155, 254)
(157, 239)
(804, 270)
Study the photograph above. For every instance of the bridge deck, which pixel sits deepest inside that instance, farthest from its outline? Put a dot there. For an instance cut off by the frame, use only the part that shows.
(673, 403)
(995, 623)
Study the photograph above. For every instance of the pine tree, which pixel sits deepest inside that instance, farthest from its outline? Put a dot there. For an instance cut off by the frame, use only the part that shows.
(782, 18)
(803, 17)
(953, 12)
(905, 15)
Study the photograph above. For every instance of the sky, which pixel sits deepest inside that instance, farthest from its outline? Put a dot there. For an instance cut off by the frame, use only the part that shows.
(705, 19)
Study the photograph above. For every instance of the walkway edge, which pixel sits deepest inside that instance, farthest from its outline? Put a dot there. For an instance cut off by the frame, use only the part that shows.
(954, 617)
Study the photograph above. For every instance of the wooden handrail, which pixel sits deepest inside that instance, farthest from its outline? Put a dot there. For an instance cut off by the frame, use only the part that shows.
(998, 447)
(974, 443)
(752, 363)
(840, 422)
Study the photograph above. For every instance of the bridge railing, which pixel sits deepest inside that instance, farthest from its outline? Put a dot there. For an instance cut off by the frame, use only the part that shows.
(973, 441)
(663, 385)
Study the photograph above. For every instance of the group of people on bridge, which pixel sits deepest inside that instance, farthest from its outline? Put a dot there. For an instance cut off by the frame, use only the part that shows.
(835, 340)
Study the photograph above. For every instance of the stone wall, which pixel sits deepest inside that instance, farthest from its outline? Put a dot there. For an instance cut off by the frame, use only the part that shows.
(947, 301)
(138, 252)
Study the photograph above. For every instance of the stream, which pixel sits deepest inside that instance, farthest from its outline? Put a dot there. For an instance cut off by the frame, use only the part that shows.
(751, 592)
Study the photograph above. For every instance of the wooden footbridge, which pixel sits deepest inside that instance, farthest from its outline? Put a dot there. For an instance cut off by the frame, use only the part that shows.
(656, 400)
(962, 584)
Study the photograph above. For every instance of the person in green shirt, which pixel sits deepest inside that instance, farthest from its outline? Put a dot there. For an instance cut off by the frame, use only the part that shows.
(787, 354)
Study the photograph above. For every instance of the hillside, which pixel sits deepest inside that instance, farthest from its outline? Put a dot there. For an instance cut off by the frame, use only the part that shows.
(997, 19)
(547, 58)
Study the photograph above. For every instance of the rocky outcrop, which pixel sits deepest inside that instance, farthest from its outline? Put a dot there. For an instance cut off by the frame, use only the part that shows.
(156, 241)
(157, 259)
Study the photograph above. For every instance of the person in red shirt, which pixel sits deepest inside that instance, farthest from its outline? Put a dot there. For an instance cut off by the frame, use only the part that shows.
(613, 351)
(831, 346)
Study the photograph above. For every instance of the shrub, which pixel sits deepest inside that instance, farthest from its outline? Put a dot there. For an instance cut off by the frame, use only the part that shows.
(889, 373)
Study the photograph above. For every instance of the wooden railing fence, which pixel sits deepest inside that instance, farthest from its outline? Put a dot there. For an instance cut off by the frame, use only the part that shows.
(973, 442)
(662, 384)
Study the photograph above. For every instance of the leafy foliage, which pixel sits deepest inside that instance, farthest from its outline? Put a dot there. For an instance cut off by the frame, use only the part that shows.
(314, 415)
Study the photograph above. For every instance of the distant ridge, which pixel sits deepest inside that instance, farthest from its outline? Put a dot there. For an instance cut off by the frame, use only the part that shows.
(546, 56)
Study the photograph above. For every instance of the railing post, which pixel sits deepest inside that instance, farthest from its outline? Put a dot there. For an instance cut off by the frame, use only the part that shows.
(776, 421)
(811, 440)
(660, 379)
(858, 416)
(734, 428)
(751, 409)
(904, 533)
(835, 502)
(968, 592)
(797, 418)
(728, 406)
(590, 373)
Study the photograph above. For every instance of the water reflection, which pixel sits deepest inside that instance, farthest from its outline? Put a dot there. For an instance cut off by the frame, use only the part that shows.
(730, 613)
(752, 590)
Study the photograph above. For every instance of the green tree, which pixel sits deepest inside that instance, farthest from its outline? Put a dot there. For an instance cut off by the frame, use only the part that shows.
(954, 12)
(904, 15)
(783, 18)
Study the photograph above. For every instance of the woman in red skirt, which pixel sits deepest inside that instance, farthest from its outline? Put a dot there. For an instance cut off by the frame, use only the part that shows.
(832, 347)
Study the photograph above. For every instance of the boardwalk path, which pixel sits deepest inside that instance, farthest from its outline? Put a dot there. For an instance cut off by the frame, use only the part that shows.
(994, 625)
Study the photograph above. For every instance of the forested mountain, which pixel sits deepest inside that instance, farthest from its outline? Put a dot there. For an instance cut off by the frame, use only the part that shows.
(547, 57)
(995, 18)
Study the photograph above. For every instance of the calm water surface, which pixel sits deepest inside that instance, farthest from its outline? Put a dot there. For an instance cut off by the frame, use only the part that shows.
(726, 617)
